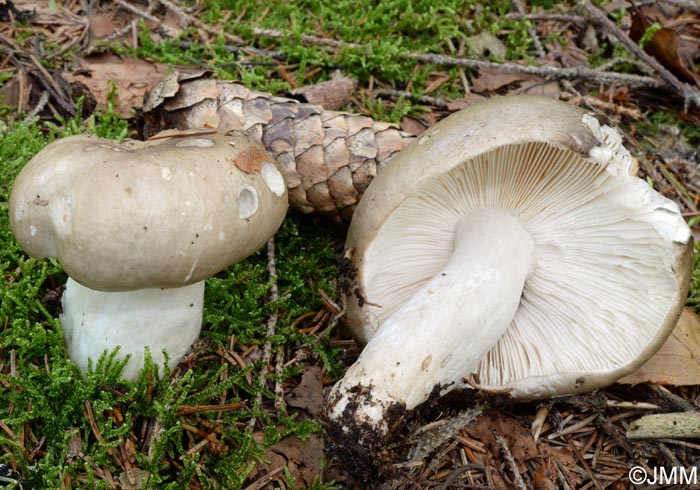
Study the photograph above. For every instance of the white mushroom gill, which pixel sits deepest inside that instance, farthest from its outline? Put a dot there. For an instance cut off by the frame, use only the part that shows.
(594, 261)
(478, 290)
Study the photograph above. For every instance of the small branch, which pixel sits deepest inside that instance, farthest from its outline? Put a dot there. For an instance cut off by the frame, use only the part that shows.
(307, 39)
(191, 20)
(135, 10)
(666, 426)
(124, 29)
(574, 19)
(679, 87)
(676, 402)
(518, 5)
(517, 478)
(423, 99)
(271, 325)
(280, 404)
(643, 67)
(40, 105)
(578, 73)
(689, 5)
(629, 112)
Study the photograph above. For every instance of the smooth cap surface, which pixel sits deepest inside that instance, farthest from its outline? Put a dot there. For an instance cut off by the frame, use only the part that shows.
(163, 213)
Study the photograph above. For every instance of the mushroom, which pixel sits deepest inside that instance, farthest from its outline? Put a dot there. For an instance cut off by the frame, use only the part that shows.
(511, 247)
(138, 227)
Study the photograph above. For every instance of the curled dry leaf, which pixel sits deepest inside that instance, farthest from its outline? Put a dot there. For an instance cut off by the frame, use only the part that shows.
(123, 82)
(677, 363)
(250, 161)
(666, 45)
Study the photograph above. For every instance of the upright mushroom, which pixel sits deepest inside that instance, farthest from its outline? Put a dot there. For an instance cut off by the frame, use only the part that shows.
(510, 244)
(138, 226)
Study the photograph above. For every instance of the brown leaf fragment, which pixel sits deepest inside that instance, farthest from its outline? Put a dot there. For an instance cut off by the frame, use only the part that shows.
(332, 94)
(545, 477)
(75, 445)
(412, 126)
(123, 82)
(464, 102)
(665, 46)
(677, 363)
(251, 161)
(308, 395)
(102, 25)
(133, 479)
(490, 79)
(302, 459)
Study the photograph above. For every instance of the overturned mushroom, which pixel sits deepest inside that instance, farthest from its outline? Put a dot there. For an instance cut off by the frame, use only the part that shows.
(138, 226)
(509, 244)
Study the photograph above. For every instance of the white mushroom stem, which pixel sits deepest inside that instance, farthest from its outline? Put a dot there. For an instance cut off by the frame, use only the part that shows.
(436, 338)
(160, 319)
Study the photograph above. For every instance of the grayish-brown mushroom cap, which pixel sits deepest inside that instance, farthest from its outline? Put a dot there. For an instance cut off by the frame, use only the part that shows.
(164, 213)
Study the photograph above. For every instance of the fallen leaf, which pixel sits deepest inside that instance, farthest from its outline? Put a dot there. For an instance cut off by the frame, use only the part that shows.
(541, 88)
(491, 79)
(308, 395)
(303, 459)
(466, 101)
(251, 161)
(124, 82)
(102, 25)
(677, 363)
(412, 126)
(666, 46)
(486, 43)
(520, 442)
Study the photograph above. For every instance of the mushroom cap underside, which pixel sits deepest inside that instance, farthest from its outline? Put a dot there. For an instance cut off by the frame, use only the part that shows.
(158, 214)
(612, 256)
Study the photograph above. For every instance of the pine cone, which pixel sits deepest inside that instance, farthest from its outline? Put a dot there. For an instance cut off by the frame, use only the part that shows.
(328, 157)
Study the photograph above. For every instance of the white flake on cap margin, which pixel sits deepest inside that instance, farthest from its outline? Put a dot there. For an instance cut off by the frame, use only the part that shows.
(247, 201)
(611, 154)
(273, 178)
(616, 159)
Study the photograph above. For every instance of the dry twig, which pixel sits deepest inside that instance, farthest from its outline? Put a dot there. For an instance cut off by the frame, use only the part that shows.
(530, 30)
(271, 326)
(689, 94)
(517, 477)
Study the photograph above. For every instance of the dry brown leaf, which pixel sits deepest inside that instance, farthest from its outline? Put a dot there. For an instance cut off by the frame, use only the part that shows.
(102, 25)
(466, 101)
(677, 363)
(251, 161)
(491, 79)
(520, 442)
(666, 45)
(127, 80)
(412, 125)
(303, 459)
(308, 395)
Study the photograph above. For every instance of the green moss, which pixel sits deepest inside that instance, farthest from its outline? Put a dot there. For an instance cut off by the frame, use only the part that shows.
(45, 402)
